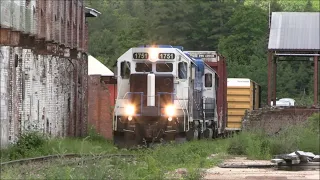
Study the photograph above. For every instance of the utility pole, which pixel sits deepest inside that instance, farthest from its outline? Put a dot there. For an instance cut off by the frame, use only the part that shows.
(269, 14)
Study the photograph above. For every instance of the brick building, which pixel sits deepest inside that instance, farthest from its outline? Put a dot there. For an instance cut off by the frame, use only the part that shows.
(101, 97)
(43, 68)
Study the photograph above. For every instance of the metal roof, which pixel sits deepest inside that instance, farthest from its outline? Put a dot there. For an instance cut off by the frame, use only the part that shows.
(95, 67)
(90, 12)
(295, 31)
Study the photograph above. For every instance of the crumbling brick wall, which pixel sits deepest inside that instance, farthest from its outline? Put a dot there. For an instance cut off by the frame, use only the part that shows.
(273, 120)
(100, 106)
(43, 93)
(43, 68)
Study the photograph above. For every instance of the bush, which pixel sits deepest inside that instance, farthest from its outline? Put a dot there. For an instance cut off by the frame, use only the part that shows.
(314, 123)
(237, 145)
(31, 140)
(26, 144)
(255, 144)
(94, 135)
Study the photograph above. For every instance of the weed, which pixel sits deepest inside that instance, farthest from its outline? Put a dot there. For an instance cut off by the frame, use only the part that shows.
(193, 174)
(93, 135)
(259, 145)
(156, 162)
(25, 146)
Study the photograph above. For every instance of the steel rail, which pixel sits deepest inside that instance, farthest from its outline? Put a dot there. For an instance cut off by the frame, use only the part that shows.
(52, 157)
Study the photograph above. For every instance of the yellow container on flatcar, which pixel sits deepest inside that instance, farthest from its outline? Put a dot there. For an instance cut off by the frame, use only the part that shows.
(242, 94)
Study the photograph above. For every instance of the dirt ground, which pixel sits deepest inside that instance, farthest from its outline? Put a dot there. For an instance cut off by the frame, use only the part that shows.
(218, 173)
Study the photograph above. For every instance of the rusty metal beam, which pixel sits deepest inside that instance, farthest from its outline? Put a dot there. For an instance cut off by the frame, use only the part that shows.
(315, 80)
(274, 81)
(27, 41)
(269, 77)
(279, 54)
(9, 37)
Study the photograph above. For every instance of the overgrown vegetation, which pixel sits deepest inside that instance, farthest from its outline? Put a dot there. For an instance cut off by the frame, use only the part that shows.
(259, 145)
(156, 162)
(34, 144)
(150, 163)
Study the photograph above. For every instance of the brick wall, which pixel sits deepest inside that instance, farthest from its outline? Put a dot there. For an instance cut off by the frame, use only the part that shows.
(43, 68)
(4, 94)
(273, 120)
(43, 93)
(100, 106)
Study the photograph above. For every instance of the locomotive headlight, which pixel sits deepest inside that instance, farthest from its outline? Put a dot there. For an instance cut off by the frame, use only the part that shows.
(130, 110)
(170, 110)
(153, 54)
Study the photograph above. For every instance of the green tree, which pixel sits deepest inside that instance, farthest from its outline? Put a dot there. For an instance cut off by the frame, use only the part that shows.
(247, 25)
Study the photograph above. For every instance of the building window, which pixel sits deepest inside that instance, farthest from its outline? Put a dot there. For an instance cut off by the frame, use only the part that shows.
(164, 67)
(27, 2)
(143, 67)
(182, 70)
(125, 70)
(208, 80)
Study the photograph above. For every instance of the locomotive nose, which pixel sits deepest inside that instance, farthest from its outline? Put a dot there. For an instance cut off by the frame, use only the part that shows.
(151, 89)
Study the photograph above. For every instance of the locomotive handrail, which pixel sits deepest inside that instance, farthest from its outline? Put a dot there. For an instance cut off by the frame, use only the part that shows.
(115, 111)
(173, 97)
(159, 100)
(184, 108)
(141, 100)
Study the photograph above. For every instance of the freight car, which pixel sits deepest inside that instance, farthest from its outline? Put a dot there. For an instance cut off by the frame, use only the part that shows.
(167, 94)
(242, 94)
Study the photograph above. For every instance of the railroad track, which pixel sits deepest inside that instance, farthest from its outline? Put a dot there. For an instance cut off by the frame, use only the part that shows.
(83, 157)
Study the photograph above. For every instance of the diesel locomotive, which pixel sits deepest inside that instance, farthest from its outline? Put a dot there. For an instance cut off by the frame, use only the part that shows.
(164, 94)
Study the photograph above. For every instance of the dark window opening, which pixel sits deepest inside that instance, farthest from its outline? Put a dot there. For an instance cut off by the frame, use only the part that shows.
(208, 80)
(125, 70)
(182, 70)
(164, 67)
(143, 67)
(16, 60)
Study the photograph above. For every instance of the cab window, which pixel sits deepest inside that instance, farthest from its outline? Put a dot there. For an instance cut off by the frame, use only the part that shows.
(182, 70)
(143, 67)
(164, 67)
(125, 70)
(208, 80)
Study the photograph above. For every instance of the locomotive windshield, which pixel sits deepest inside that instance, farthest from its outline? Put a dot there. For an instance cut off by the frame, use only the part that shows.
(164, 67)
(125, 70)
(182, 68)
(208, 80)
(143, 67)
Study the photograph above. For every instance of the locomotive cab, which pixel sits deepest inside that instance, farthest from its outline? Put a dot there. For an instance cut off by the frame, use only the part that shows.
(163, 94)
(152, 100)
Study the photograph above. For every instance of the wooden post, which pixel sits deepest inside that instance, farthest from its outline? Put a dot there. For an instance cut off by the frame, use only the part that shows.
(274, 81)
(315, 81)
(269, 78)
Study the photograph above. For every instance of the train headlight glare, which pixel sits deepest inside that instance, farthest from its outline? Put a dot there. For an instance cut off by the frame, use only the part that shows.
(153, 54)
(170, 110)
(130, 110)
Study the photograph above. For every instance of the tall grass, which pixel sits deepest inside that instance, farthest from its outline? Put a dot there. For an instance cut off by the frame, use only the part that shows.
(259, 145)
(156, 162)
(152, 163)
(34, 144)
